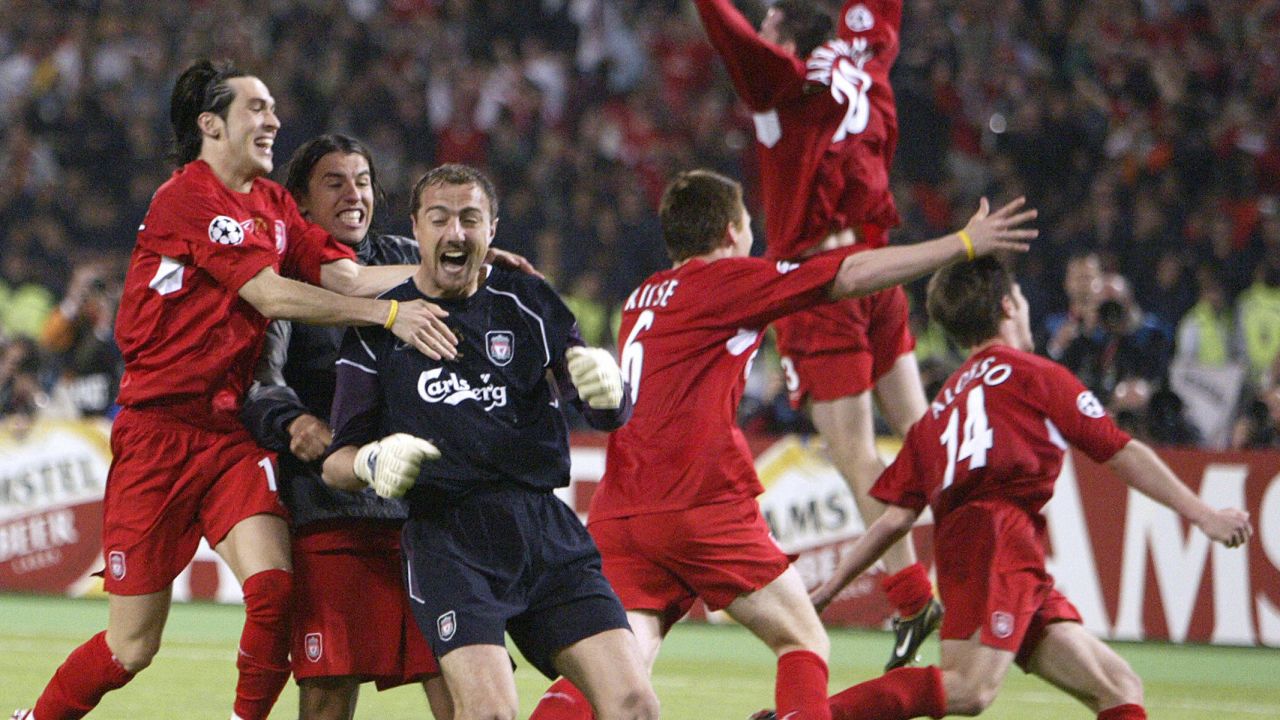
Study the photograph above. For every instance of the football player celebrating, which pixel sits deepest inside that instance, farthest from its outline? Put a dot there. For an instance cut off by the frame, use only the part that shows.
(476, 444)
(984, 458)
(221, 251)
(675, 515)
(826, 130)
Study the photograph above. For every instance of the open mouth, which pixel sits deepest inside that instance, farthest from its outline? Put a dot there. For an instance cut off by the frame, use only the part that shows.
(453, 259)
(264, 144)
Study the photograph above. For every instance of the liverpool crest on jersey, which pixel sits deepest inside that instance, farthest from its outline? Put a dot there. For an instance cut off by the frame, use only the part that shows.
(500, 346)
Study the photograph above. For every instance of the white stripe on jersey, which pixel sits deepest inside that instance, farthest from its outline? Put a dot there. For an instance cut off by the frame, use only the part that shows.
(546, 347)
(358, 366)
(365, 345)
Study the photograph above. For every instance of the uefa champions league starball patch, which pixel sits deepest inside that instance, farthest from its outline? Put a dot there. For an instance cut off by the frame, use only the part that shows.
(859, 18)
(225, 231)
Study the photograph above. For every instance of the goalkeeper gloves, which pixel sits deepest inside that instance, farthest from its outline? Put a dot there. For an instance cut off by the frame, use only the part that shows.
(596, 376)
(391, 465)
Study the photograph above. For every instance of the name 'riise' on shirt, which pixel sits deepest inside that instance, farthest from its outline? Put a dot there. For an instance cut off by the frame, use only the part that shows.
(651, 295)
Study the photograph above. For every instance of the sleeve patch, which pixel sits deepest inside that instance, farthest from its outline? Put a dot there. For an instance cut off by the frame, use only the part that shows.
(225, 231)
(1089, 406)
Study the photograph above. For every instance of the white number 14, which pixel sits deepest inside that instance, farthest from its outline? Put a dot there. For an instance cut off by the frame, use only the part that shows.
(978, 437)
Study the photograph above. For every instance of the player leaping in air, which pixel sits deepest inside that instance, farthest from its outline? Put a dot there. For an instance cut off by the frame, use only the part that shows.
(826, 129)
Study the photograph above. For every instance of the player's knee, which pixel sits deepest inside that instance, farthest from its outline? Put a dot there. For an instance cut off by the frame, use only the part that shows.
(1124, 687)
(971, 697)
(639, 703)
(489, 708)
(136, 654)
(268, 597)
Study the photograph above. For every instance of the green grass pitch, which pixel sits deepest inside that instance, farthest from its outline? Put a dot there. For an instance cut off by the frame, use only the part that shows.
(704, 672)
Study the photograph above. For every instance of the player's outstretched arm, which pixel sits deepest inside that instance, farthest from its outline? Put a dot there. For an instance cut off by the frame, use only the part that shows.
(890, 527)
(417, 323)
(987, 232)
(390, 465)
(1139, 466)
(348, 277)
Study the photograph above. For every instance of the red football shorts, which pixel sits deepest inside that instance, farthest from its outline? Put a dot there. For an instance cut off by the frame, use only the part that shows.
(352, 615)
(991, 577)
(840, 349)
(170, 483)
(663, 561)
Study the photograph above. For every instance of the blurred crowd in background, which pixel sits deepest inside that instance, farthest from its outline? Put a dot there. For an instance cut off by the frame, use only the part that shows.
(1147, 132)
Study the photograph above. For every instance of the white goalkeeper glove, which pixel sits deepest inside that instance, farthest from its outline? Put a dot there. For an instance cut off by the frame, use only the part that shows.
(596, 375)
(391, 465)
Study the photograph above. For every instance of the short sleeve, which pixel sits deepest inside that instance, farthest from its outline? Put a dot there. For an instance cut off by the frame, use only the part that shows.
(1078, 414)
(753, 292)
(309, 246)
(189, 224)
(901, 483)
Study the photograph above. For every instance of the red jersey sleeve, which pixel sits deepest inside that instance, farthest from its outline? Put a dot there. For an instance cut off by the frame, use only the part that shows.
(1077, 414)
(902, 483)
(762, 73)
(753, 292)
(309, 246)
(188, 223)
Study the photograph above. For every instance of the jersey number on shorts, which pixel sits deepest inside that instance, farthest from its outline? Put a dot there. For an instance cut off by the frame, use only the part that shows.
(270, 470)
(633, 354)
(978, 436)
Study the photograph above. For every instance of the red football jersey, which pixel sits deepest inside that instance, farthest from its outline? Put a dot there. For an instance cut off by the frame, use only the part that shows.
(998, 431)
(826, 127)
(183, 330)
(688, 336)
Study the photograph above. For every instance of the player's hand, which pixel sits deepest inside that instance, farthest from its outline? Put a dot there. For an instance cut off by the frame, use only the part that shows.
(512, 260)
(309, 437)
(822, 596)
(391, 465)
(596, 375)
(421, 324)
(1228, 526)
(1001, 230)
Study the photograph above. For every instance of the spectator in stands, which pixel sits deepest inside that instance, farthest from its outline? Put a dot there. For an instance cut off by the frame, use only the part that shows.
(1127, 346)
(1208, 333)
(84, 361)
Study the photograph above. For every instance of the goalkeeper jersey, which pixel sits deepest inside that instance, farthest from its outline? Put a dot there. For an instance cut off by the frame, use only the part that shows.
(491, 411)
(688, 337)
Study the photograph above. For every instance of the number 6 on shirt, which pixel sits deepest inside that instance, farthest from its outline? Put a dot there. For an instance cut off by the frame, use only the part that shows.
(633, 354)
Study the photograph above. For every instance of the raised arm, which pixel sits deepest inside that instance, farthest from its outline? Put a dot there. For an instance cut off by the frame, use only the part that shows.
(762, 73)
(866, 272)
(1139, 466)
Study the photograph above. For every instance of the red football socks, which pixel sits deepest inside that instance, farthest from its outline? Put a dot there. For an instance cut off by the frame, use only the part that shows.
(801, 690)
(263, 659)
(896, 695)
(563, 701)
(88, 673)
(1124, 712)
(908, 589)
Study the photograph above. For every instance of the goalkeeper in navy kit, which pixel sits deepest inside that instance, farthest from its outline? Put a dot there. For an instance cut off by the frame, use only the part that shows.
(476, 444)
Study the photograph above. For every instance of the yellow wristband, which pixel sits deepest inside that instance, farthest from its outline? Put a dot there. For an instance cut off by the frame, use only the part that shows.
(964, 238)
(395, 309)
